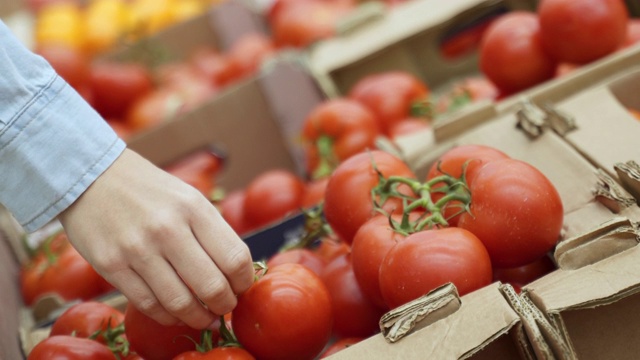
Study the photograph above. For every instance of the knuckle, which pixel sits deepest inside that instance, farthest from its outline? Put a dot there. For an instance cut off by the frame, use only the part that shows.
(181, 305)
(215, 291)
(148, 306)
(239, 260)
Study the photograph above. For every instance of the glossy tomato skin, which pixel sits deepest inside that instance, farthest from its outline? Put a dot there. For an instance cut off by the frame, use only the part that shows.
(511, 53)
(339, 345)
(372, 243)
(219, 353)
(515, 211)
(154, 341)
(431, 258)
(473, 155)
(64, 347)
(85, 318)
(116, 86)
(286, 314)
(271, 196)
(330, 248)
(348, 203)
(350, 126)
(304, 257)
(314, 192)
(582, 31)
(354, 315)
(390, 95)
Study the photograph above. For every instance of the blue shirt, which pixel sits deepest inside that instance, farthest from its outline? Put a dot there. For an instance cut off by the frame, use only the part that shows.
(53, 145)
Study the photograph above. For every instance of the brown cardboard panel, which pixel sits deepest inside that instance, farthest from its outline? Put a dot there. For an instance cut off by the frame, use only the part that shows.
(10, 302)
(479, 329)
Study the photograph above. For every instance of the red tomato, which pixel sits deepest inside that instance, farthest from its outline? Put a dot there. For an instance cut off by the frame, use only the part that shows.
(330, 248)
(354, 315)
(286, 314)
(86, 318)
(408, 126)
(304, 257)
(511, 53)
(63, 347)
(466, 91)
(154, 108)
(300, 23)
(452, 163)
(371, 244)
(336, 130)
(249, 51)
(232, 210)
(348, 201)
(582, 31)
(153, 341)
(515, 211)
(219, 353)
(197, 169)
(314, 192)
(339, 345)
(68, 62)
(215, 66)
(116, 86)
(633, 32)
(391, 95)
(520, 276)
(271, 196)
(431, 258)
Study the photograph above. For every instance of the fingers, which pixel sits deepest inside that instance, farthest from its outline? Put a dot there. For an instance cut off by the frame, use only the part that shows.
(171, 292)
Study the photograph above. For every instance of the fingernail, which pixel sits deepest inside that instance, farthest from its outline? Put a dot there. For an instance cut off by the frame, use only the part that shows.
(214, 325)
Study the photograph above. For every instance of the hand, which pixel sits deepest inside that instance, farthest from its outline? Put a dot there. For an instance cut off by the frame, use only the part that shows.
(154, 238)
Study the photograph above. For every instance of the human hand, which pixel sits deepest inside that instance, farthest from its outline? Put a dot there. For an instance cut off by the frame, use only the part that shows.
(154, 238)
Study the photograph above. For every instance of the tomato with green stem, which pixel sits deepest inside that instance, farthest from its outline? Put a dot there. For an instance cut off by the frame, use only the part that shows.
(334, 131)
(515, 211)
(285, 314)
(227, 347)
(392, 96)
(65, 347)
(428, 259)
(88, 319)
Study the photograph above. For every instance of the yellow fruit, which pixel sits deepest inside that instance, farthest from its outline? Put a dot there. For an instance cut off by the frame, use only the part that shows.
(60, 23)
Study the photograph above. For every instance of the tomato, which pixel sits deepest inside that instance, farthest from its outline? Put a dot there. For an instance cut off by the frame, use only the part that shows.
(154, 108)
(511, 53)
(582, 31)
(85, 319)
(286, 314)
(301, 23)
(219, 353)
(463, 43)
(408, 126)
(330, 248)
(339, 345)
(633, 32)
(391, 95)
(66, 274)
(68, 62)
(64, 347)
(271, 196)
(354, 315)
(249, 51)
(523, 275)
(431, 258)
(216, 67)
(304, 257)
(466, 91)
(153, 341)
(197, 169)
(314, 192)
(372, 242)
(515, 211)
(336, 130)
(232, 210)
(348, 201)
(116, 86)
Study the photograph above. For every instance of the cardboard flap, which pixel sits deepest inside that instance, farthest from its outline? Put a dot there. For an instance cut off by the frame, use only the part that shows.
(629, 175)
(610, 238)
(611, 194)
(232, 20)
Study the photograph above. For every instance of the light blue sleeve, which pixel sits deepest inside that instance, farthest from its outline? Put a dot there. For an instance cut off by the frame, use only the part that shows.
(53, 145)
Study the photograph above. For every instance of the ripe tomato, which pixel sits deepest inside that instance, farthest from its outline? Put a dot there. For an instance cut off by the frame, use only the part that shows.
(197, 169)
(336, 130)
(515, 211)
(314, 192)
(431, 258)
(339, 345)
(330, 248)
(391, 95)
(304, 257)
(86, 318)
(68, 62)
(156, 107)
(523, 275)
(300, 23)
(271, 196)
(116, 86)
(232, 210)
(372, 242)
(153, 341)
(408, 126)
(219, 353)
(348, 201)
(286, 314)
(582, 31)
(64, 347)
(215, 66)
(354, 315)
(465, 91)
(511, 53)
(249, 51)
